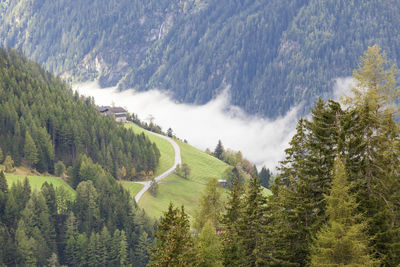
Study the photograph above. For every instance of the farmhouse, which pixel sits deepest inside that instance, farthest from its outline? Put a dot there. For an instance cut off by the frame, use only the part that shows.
(119, 113)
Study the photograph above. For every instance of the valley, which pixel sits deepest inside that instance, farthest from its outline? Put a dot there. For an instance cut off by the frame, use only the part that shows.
(200, 133)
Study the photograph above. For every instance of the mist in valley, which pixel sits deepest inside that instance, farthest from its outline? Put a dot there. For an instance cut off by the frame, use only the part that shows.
(261, 140)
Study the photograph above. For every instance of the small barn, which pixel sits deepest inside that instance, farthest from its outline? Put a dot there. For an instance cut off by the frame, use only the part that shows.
(119, 113)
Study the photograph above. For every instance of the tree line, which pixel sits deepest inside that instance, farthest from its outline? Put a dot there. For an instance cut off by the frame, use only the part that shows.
(335, 199)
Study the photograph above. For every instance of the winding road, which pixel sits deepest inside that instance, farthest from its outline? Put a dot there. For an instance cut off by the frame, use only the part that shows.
(178, 160)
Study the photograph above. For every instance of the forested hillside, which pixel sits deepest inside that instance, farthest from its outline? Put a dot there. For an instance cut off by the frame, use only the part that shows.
(43, 121)
(100, 226)
(335, 198)
(271, 54)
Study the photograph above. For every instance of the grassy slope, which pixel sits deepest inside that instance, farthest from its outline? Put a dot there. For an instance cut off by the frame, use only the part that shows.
(180, 191)
(36, 182)
(166, 150)
(172, 189)
(133, 188)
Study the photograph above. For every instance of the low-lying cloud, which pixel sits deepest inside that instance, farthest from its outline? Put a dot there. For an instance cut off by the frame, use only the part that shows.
(342, 88)
(261, 140)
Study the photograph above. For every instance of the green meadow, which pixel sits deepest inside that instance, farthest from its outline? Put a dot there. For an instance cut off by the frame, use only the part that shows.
(36, 182)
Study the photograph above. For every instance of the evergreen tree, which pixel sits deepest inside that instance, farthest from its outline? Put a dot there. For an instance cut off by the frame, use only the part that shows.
(170, 133)
(39, 227)
(104, 247)
(265, 176)
(86, 208)
(72, 249)
(343, 241)
(251, 224)
(26, 246)
(59, 168)
(174, 245)
(123, 249)
(281, 237)
(3, 183)
(92, 250)
(231, 250)
(1, 155)
(30, 150)
(141, 253)
(231, 174)
(219, 150)
(305, 176)
(210, 206)
(8, 164)
(208, 247)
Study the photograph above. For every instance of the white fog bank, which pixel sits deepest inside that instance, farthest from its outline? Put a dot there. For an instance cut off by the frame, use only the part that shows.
(260, 140)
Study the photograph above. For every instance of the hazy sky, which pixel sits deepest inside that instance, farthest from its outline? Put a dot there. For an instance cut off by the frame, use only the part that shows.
(262, 141)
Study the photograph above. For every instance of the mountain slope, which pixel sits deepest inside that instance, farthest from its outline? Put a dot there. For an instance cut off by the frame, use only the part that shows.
(43, 121)
(176, 189)
(271, 54)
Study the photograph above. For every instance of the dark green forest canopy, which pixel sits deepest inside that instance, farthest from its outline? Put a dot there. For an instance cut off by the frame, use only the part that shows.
(272, 54)
(62, 124)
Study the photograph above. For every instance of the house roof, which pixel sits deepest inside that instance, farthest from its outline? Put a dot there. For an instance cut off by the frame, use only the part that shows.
(111, 110)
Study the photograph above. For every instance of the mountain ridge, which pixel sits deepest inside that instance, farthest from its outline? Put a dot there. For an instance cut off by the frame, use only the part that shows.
(273, 54)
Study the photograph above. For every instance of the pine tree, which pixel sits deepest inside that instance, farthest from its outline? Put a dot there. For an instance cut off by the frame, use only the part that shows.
(141, 251)
(25, 246)
(123, 249)
(219, 150)
(71, 236)
(281, 237)
(208, 247)
(104, 247)
(231, 250)
(174, 245)
(210, 206)
(343, 241)
(8, 164)
(3, 183)
(265, 176)
(306, 175)
(92, 250)
(59, 168)
(251, 224)
(30, 150)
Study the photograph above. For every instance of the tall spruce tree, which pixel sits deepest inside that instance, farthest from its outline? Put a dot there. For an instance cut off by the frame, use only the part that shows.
(232, 251)
(174, 244)
(3, 182)
(219, 150)
(264, 176)
(305, 176)
(343, 241)
(30, 150)
(251, 224)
